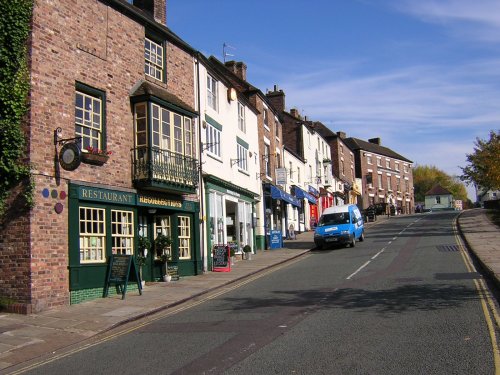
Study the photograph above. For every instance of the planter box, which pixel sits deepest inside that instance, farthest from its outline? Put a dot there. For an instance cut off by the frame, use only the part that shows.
(94, 159)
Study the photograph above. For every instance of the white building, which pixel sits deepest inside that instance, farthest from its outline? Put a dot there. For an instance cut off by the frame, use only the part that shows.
(229, 163)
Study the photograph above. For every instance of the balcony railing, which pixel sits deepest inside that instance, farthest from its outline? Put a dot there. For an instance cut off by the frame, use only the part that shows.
(159, 168)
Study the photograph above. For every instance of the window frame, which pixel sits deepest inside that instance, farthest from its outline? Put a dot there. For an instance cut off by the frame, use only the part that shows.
(94, 94)
(241, 117)
(212, 93)
(153, 65)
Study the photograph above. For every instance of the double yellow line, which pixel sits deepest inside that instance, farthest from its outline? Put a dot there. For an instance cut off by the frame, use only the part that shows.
(489, 309)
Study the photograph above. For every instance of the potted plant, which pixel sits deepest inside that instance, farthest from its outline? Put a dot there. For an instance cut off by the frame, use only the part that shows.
(232, 254)
(248, 252)
(95, 156)
(162, 243)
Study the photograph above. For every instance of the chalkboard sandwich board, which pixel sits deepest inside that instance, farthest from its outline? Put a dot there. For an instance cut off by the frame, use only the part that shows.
(221, 259)
(119, 270)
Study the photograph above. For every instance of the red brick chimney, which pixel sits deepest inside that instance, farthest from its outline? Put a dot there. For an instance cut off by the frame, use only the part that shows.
(376, 141)
(295, 113)
(277, 99)
(341, 135)
(238, 68)
(155, 8)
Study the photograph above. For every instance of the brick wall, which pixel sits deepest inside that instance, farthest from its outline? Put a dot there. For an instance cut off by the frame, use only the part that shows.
(87, 42)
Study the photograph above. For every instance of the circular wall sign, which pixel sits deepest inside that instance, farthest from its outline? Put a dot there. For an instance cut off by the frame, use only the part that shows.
(70, 156)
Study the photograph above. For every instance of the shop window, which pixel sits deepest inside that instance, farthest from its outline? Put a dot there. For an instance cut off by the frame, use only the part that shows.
(92, 235)
(122, 223)
(162, 226)
(184, 237)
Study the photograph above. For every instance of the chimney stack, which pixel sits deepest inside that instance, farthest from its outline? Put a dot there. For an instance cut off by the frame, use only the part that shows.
(277, 99)
(295, 113)
(376, 141)
(155, 8)
(238, 68)
(341, 135)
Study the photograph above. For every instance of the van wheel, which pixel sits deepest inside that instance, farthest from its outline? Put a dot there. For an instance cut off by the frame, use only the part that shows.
(353, 242)
(362, 237)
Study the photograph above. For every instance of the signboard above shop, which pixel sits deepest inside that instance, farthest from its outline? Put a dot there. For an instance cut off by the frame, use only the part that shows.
(281, 176)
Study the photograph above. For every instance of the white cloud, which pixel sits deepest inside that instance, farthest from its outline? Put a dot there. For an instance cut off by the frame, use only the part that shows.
(478, 19)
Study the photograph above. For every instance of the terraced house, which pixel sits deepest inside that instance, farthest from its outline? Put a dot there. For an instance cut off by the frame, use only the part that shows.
(112, 135)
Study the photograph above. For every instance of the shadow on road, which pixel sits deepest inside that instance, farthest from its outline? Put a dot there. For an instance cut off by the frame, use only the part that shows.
(401, 299)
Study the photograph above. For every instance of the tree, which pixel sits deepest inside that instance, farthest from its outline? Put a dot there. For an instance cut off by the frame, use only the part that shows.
(484, 164)
(425, 177)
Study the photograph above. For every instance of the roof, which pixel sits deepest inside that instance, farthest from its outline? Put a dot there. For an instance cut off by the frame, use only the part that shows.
(147, 89)
(240, 84)
(438, 190)
(358, 144)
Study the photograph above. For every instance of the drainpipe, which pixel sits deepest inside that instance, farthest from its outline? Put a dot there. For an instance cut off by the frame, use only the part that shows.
(200, 172)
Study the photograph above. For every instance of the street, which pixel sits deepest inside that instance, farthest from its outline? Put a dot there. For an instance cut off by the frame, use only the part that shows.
(404, 301)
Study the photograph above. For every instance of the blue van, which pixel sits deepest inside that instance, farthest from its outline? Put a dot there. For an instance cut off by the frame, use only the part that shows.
(340, 225)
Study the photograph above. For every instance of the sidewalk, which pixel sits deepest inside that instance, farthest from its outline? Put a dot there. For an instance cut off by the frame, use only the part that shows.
(27, 337)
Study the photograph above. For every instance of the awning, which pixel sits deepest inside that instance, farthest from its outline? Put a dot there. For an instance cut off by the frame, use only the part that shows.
(280, 194)
(301, 194)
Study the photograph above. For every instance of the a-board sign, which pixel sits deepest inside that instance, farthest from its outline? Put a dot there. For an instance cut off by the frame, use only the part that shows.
(120, 268)
(276, 239)
(220, 258)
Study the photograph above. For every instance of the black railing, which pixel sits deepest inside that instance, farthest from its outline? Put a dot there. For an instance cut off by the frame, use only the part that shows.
(162, 166)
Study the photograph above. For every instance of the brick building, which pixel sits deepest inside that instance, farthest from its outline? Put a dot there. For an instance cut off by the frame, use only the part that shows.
(105, 75)
(385, 175)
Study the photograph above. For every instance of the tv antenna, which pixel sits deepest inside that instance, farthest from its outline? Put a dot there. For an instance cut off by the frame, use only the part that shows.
(225, 46)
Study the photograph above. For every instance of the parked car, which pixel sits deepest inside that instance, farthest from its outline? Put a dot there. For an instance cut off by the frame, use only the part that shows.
(339, 225)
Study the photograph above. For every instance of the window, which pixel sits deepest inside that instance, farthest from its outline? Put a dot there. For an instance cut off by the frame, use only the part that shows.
(267, 159)
(298, 175)
(153, 54)
(184, 237)
(379, 180)
(342, 169)
(389, 187)
(242, 154)
(122, 233)
(89, 113)
(438, 200)
(266, 118)
(387, 163)
(405, 168)
(341, 149)
(241, 118)
(212, 92)
(92, 235)
(290, 170)
(277, 126)
(396, 166)
(369, 160)
(213, 140)
(398, 184)
(170, 131)
(162, 226)
(379, 162)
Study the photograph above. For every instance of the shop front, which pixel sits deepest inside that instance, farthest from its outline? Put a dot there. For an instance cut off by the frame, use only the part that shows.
(275, 209)
(313, 208)
(308, 200)
(104, 221)
(231, 217)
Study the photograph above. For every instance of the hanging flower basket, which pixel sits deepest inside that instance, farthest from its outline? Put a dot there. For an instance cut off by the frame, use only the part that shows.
(95, 159)
(95, 156)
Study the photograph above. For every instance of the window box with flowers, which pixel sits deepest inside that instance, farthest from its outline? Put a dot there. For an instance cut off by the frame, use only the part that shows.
(95, 156)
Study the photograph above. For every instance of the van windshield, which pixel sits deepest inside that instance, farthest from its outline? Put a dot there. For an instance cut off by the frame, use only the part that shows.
(332, 219)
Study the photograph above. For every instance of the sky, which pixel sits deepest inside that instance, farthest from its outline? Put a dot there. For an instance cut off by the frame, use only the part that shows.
(423, 75)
